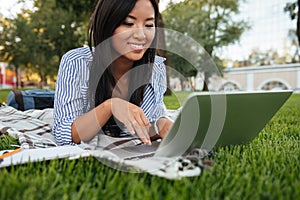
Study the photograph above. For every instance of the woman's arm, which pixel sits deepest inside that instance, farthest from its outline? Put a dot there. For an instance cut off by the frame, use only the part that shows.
(72, 122)
(161, 123)
(70, 95)
(88, 125)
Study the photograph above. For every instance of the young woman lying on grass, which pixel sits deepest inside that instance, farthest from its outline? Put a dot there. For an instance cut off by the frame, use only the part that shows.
(115, 86)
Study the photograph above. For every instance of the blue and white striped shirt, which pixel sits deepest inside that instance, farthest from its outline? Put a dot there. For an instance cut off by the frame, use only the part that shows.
(71, 95)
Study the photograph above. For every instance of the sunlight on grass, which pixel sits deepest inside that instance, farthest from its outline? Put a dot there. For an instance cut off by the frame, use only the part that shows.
(176, 99)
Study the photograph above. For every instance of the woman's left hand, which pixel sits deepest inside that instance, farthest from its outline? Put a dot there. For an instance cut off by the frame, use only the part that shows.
(163, 125)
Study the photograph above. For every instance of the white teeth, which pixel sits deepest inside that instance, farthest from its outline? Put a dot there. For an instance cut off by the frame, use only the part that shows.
(137, 46)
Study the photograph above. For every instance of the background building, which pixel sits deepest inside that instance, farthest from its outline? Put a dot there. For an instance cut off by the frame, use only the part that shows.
(7, 77)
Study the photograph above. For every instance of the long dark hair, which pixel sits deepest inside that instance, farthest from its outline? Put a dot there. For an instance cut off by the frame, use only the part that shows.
(108, 15)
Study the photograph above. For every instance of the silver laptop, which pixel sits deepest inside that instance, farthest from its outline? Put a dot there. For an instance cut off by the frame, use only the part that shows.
(208, 120)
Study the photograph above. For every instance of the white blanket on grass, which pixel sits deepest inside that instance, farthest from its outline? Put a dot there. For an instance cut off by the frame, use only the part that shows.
(33, 128)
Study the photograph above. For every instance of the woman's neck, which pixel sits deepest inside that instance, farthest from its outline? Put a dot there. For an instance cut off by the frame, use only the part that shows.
(120, 67)
(120, 71)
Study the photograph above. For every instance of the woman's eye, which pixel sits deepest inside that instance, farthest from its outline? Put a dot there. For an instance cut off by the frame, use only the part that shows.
(149, 25)
(128, 23)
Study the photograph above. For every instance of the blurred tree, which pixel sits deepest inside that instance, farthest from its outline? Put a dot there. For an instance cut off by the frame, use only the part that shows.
(55, 32)
(294, 10)
(209, 22)
(15, 39)
(36, 39)
(292, 48)
(260, 58)
(81, 11)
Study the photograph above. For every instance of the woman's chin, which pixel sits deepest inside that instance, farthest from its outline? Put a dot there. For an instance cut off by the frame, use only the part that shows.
(134, 55)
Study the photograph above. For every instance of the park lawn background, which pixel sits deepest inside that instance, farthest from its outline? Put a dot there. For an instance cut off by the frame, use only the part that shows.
(266, 168)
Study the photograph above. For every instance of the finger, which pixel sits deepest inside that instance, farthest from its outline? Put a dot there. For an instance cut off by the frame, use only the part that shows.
(130, 128)
(141, 121)
(142, 127)
(141, 131)
(145, 131)
(145, 119)
(140, 117)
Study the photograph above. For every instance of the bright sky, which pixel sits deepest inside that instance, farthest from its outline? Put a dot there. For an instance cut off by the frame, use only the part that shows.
(163, 4)
(269, 30)
(10, 7)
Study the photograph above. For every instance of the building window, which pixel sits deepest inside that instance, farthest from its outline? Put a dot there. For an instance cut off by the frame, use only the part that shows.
(274, 85)
(230, 86)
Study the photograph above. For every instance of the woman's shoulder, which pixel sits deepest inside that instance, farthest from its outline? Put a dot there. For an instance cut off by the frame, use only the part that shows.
(79, 54)
(158, 60)
(159, 66)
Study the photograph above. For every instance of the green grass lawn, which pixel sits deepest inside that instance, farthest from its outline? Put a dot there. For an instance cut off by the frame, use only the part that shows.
(267, 168)
(3, 94)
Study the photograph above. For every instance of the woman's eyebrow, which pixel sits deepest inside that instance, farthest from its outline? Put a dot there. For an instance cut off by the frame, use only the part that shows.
(148, 19)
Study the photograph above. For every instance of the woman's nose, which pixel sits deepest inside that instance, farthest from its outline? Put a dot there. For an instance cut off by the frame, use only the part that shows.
(139, 33)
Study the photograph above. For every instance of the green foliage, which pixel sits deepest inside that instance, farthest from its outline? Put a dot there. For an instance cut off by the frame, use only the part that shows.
(82, 9)
(267, 168)
(36, 39)
(293, 8)
(55, 33)
(15, 40)
(209, 23)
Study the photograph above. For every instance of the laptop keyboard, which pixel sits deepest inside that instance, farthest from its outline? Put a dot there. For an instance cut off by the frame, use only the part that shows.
(140, 156)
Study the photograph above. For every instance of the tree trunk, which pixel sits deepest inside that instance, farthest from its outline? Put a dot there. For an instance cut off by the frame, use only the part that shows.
(17, 76)
(42, 77)
(298, 23)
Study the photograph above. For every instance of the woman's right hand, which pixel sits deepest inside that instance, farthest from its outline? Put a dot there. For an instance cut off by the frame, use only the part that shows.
(132, 117)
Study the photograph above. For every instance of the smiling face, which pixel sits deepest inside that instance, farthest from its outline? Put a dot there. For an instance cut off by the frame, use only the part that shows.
(135, 35)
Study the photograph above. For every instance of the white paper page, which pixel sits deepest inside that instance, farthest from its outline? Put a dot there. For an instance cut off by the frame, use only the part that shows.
(35, 155)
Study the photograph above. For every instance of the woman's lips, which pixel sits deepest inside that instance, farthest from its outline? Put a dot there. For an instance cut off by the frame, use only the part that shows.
(137, 47)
